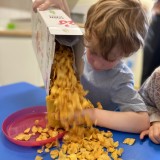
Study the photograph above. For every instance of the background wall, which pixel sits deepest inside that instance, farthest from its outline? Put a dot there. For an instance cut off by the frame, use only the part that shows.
(17, 4)
(22, 51)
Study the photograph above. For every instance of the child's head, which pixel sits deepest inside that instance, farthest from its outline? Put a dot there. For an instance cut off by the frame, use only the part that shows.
(118, 25)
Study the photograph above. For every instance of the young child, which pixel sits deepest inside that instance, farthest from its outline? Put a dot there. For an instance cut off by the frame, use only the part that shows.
(150, 91)
(114, 29)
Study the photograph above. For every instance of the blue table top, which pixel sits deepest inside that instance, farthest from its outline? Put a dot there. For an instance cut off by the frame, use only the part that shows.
(18, 96)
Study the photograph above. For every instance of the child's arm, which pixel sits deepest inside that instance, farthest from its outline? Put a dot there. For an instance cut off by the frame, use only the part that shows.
(122, 121)
(133, 116)
(45, 4)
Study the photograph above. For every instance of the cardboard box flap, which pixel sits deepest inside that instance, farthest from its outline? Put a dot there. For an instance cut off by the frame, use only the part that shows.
(67, 40)
(59, 23)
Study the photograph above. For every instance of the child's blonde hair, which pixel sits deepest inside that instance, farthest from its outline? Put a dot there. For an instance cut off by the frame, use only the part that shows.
(115, 22)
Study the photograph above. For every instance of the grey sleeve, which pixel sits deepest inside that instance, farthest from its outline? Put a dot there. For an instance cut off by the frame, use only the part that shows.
(154, 114)
(125, 96)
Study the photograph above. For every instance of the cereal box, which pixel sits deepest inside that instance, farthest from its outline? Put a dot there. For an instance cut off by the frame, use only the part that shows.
(48, 27)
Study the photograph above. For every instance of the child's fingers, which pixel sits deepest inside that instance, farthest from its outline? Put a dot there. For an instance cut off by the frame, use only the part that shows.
(151, 136)
(156, 134)
(144, 133)
(36, 4)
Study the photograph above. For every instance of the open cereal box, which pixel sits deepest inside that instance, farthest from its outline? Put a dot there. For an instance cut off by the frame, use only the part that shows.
(51, 26)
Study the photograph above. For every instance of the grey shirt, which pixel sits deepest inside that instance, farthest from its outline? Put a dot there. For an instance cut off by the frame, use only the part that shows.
(114, 88)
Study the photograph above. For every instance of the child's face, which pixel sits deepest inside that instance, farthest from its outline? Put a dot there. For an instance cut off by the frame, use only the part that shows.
(99, 63)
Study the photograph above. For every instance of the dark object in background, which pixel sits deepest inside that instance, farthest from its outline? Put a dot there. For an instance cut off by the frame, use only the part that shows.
(151, 58)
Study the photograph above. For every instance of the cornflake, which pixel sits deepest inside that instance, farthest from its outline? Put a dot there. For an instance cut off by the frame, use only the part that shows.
(129, 141)
(39, 158)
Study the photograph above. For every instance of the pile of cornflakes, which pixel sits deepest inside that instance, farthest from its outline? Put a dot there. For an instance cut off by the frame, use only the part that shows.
(37, 131)
(67, 97)
(95, 145)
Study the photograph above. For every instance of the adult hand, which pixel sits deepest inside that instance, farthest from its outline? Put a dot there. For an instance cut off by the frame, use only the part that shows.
(45, 4)
(153, 132)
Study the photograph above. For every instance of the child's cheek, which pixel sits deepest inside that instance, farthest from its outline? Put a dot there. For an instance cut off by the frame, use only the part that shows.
(111, 65)
(89, 58)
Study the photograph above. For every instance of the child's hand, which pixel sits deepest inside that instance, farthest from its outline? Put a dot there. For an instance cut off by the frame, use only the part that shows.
(45, 4)
(68, 119)
(153, 132)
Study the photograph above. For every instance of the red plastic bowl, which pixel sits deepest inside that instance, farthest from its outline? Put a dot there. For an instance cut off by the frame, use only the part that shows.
(19, 121)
